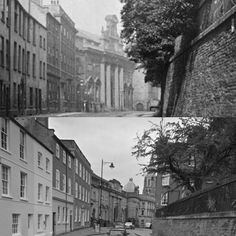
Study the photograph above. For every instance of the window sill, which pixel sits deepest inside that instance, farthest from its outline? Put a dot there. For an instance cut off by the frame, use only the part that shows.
(48, 172)
(40, 201)
(7, 196)
(5, 150)
(23, 160)
(16, 234)
(24, 199)
(47, 203)
(40, 167)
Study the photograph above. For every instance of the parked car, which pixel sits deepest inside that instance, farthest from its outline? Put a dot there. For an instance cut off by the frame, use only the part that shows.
(148, 225)
(129, 225)
(117, 232)
(119, 225)
(154, 105)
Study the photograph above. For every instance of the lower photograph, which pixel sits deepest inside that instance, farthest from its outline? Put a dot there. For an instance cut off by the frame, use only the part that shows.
(117, 176)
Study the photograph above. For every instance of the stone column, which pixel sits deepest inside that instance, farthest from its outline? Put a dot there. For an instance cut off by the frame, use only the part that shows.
(122, 94)
(117, 92)
(108, 88)
(102, 79)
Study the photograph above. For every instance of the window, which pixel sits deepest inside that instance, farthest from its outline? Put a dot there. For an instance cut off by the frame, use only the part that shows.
(4, 133)
(69, 186)
(80, 192)
(44, 44)
(47, 194)
(79, 214)
(40, 159)
(88, 197)
(76, 166)
(23, 61)
(5, 180)
(64, 183)
(19, 58)
(40, 219)
(40, 69)
(165, 180)
(57, 151)
(58, 214)
(14, 94)
(28, 29)
(76, 214)
(44, 70)
(34, 65)
(15, 56)
(40, 41)
(64, 156)
(69, 161)
(7, 54)
(31, 96)
(83, 173)
(80, 169)
(28, 63)
(57, 179)
(64, 214)
(164, 199)
(23, 182)
(2, 51)
(40, 188)
(46, 222)
(15, 223)
(34, 33)
(22, 145)
(47, 164)
(76, 190)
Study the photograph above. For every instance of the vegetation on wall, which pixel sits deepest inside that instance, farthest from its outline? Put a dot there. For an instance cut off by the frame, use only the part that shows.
(149, 30)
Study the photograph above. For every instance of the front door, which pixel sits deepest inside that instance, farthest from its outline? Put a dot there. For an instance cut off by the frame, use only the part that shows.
(53, 223)
(71, 221)
(30, 225)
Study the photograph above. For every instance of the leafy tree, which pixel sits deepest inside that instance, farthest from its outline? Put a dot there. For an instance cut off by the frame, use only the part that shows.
(149, 30)
(191, 150)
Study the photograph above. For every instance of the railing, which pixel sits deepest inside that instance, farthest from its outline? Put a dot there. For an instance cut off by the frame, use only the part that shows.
(219, 199)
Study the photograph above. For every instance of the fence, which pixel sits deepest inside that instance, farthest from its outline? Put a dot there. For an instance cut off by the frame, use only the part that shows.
(221, 198)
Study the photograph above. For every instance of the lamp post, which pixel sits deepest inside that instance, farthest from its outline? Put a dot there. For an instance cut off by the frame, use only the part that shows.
(100, 204)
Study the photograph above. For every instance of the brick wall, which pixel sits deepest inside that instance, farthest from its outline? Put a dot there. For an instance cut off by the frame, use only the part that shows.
(201, 78)
(207, 224)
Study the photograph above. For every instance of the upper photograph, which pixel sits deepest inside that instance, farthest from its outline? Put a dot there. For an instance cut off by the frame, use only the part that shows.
(118, 58)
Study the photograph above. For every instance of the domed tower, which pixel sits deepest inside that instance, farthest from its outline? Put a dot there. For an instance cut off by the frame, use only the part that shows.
(133, 201)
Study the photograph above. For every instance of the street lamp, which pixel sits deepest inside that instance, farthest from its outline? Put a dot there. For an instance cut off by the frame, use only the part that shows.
(100, 204)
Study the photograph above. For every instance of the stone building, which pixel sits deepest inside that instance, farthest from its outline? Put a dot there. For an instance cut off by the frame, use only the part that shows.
(109, 201)
(23, 65)
(105, 73)
(61, 58)
(144, 94)
(26, 182)
(140, 207)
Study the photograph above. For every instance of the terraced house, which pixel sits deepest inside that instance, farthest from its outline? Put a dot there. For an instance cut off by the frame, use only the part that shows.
(23, 62)
(26, 186)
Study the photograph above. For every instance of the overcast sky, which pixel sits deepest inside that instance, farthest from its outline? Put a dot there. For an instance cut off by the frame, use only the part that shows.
(90, 15)
(110, 139)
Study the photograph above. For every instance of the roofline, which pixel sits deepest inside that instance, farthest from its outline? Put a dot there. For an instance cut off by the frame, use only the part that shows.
(31, 135)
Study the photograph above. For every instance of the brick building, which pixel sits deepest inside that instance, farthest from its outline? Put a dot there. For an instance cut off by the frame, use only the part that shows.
(23, 42)
(82, 185)
(105, 73)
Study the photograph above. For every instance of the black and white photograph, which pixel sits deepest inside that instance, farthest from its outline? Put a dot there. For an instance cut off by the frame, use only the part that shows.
(118, 117)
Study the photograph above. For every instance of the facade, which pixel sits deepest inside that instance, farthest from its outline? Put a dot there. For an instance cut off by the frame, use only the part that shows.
(23, 80)
(53, 63)
(62, 174)
(108, 204)
(105, 73)
(62, 51)
(144, 95)
(82, 185)
(26, 186)
(140, 207)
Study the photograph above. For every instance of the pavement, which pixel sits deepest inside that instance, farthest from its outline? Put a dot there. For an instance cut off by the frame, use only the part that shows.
(91, 232)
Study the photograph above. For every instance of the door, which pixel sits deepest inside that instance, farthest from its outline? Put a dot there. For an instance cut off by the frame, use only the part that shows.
(54, 223)
(82, 218)
(71, 221)
(30, 225)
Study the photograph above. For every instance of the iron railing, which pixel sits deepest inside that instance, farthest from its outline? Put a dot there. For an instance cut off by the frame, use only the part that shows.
(221, 198)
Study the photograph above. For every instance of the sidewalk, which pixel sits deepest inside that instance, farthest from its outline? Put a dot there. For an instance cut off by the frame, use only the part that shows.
(87, 232)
